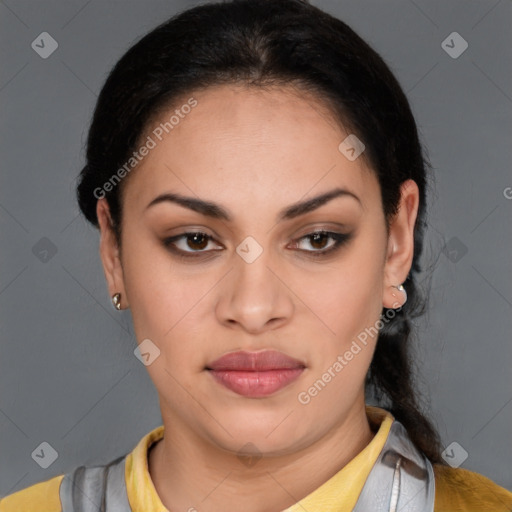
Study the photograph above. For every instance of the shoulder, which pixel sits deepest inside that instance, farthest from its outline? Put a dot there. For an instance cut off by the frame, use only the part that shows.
(459, 489)
(43, 497)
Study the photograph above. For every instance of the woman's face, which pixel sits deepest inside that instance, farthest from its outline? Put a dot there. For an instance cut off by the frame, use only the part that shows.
(260, 282)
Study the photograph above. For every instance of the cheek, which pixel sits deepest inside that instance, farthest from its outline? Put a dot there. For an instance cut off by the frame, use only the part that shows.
(348, 295)
(351, 306)
(150, 283)
(166, 307)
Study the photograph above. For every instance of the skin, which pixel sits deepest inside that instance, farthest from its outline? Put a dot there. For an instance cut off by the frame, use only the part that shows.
(255, 152)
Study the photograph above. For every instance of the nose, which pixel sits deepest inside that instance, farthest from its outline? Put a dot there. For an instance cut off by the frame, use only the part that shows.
(255, 296)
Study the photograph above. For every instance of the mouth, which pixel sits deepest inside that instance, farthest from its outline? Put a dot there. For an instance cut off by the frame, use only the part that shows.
(255, 374)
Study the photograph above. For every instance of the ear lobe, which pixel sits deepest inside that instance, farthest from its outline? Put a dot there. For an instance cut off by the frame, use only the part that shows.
(400, 250)
(109, 252)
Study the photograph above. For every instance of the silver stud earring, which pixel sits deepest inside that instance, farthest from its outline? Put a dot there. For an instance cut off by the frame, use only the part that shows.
(401, 288)
(116, 300)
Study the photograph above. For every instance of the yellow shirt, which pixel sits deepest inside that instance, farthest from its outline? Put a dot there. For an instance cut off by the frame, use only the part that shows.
(457, 490)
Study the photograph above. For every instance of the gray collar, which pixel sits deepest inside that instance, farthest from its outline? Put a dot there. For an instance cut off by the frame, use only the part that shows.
(402, 479)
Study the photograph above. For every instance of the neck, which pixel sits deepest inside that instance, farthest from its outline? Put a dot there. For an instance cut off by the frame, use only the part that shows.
(184, 466)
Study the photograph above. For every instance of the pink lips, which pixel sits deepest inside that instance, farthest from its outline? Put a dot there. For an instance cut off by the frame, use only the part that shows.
(255, 374)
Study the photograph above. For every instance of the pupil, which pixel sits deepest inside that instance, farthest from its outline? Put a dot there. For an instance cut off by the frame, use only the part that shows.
(316, 236)
(195, 238)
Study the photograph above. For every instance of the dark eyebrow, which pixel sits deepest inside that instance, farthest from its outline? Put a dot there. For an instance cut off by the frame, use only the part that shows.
(216, 211)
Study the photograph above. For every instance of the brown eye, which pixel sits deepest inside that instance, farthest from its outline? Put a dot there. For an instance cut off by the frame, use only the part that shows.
(197, 240)
(189, 245)
(319, 241)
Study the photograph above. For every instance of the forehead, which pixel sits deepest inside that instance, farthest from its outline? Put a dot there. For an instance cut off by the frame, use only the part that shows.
(240, 144)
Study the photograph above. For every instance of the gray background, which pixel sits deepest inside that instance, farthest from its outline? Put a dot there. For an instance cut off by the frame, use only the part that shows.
(68, 374)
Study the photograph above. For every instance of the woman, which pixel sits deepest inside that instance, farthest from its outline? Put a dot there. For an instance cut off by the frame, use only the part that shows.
(259, 185)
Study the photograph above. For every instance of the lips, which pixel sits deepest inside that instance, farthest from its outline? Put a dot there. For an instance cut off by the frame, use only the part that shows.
(255, 361)
(255, 374)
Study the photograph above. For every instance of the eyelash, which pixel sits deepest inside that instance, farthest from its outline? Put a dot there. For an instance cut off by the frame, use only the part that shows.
(339, 240)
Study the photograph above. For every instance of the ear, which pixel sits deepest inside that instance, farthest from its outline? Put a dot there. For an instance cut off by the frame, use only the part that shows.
(110, 254)
(400, 248)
